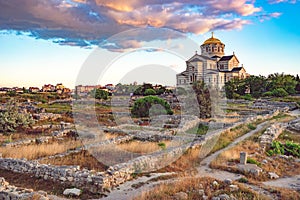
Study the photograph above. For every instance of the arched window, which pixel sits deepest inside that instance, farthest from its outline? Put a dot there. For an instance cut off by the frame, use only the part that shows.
(218, 49)
(206, 49)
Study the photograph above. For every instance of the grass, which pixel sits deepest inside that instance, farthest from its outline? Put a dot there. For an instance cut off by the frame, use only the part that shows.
(84, 159)
(228, 137)
(56, 107)
(36, 151)
(143, 147)
(233, 154)
(289, 136)
(200, 130)
(186, 163)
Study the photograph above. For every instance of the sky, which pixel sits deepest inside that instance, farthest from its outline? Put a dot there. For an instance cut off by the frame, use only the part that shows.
(110, 41)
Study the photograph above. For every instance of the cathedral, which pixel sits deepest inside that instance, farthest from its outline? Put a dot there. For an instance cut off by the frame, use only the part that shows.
(211, 66)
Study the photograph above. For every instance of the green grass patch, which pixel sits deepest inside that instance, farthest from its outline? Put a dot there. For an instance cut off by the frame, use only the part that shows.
(253, 161)
(56, 107)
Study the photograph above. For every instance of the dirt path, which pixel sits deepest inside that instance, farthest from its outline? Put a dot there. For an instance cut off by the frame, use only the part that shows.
(288, 182)
(127, 190)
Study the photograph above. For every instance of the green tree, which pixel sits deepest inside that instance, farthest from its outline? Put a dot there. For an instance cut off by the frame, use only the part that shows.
(279, 92)
(284, 81)
(142, 106)
(257, 85)
(99, 94)
(11, 119)
(203, 98)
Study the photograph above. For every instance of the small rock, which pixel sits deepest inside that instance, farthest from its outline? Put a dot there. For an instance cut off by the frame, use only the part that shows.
(273, 175)
(70, 179)
(181, 196)
(233, 187)
(215, 184)
(201, 192)
(228, 181)
(72, 192)
(215, 198)
(264, 161)
(201, 186)
(62, 179)
(224, 197)
(204, 197)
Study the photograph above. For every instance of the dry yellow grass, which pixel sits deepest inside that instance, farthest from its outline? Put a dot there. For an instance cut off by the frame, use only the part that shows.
(35, 151)
(234, 153)
(142, 147)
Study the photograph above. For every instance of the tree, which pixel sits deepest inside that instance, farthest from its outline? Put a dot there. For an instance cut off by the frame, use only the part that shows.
(99, 94)
(203, 98)
(279, 92)
(257, 85)
(11, 119)
(298, 84)
(286, 82)
(142, 106)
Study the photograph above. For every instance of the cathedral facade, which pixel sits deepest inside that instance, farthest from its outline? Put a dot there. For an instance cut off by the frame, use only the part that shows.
(211, 66)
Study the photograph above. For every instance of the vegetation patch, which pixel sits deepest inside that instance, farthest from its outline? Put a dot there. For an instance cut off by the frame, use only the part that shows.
(288, 148)
(142, 106)
(200, 130)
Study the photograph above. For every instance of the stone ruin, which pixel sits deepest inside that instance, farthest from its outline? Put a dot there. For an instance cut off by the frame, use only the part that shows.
(294, 125)
(271, 134)
(11, 192)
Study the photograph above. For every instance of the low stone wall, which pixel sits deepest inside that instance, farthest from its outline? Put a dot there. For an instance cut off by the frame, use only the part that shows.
(294, 125)
(14, 193)
(40, 140)
(88, 179)
(270, 105)
(46, 116)
(271, 134)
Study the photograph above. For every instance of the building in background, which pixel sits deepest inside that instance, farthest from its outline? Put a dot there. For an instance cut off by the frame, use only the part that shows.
(212, 66)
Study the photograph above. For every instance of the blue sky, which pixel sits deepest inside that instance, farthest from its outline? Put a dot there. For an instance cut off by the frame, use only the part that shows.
(49, 41)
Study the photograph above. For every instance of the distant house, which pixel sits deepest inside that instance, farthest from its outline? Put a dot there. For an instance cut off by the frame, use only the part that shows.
(34, 89)
(85, 89)
(59, 86)
(110, 87)
(48, 88)
(66, 91)
(18, 90)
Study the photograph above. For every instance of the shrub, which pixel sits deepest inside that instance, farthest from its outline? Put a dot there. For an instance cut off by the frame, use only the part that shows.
(142, 106)
(251, 126)
(279, 92)
(252, 161)
(289, 149)
(149, 92)
(99, 94)
(162, 145)
(247, 97)
(243, 180)
(268, 94)
(11, 119)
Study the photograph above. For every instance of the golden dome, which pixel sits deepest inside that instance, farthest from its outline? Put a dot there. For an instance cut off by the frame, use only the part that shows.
(212, 40)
